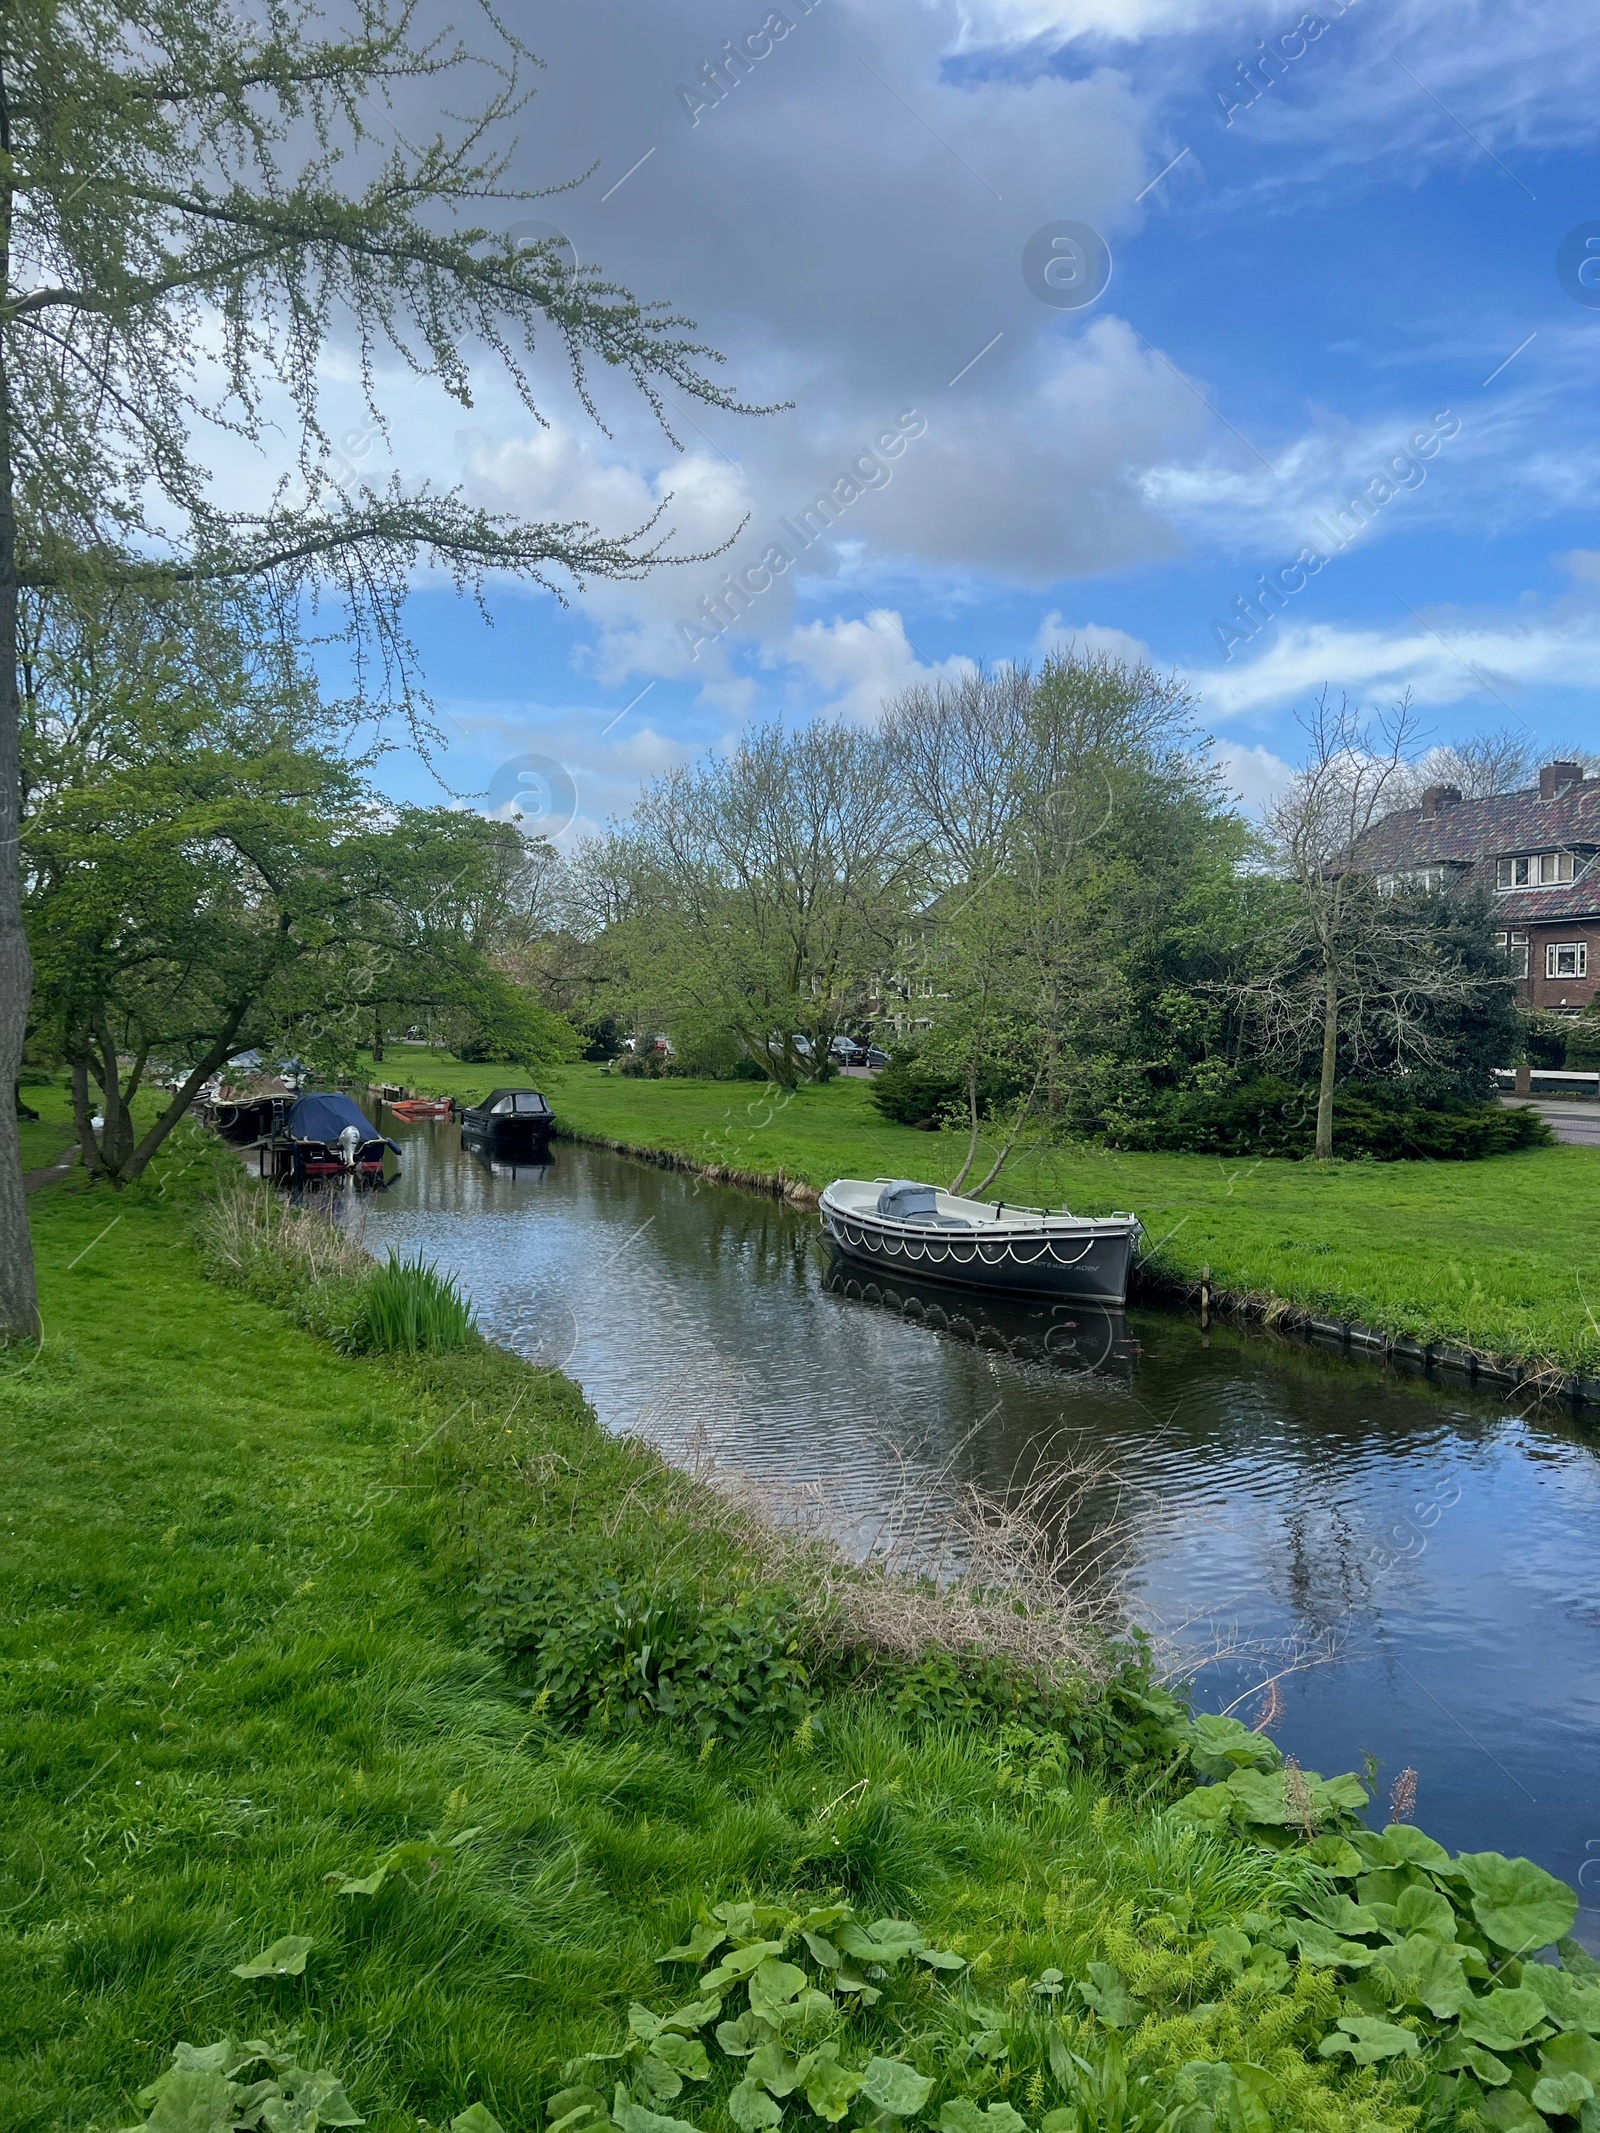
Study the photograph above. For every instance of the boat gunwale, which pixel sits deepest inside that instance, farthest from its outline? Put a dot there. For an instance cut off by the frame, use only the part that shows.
(1044, 1224)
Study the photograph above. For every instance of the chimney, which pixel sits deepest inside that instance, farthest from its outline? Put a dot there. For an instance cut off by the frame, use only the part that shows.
(1554, 779)
(1437, 798)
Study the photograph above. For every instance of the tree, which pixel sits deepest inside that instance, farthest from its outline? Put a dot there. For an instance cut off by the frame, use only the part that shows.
(195, 198)
(1363, 978)
(1063, 810)
(767, 888)
(206, 872)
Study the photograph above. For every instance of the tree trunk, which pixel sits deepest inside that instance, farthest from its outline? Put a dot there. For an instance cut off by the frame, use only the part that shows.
(1330, 1060)
(964, 1172)
(377, 1038)
(19, 1303)
(218, 1055)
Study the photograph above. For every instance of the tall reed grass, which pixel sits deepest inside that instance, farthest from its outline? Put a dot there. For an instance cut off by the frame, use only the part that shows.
(409, 1308)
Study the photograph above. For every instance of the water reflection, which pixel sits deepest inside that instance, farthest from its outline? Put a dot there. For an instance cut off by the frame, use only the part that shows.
(1427, 1554)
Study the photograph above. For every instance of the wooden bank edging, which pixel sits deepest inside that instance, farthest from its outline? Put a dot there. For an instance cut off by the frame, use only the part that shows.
(1546, 1380)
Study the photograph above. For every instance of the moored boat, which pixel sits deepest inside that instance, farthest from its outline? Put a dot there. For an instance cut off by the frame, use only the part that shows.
(422, 1106)
(326, 1136)
(508, 1122)
(917, 1229)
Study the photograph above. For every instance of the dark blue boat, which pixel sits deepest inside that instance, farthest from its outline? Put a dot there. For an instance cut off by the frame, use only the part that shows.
(327, 1136)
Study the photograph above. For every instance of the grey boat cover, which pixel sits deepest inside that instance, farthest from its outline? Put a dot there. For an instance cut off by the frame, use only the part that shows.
(903, 1200)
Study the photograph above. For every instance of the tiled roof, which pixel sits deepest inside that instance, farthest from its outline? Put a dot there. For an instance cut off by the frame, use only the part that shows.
(1473, 834)
(1575, 899)
(1482, 829)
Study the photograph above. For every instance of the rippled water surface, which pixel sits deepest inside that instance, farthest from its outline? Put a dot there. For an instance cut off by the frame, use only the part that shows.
(1442, 1546)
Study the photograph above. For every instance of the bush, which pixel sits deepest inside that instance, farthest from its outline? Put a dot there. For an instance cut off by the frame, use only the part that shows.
(622, 1654)
(407, 1307)
(512, 1029)
(1582, 1046)
(1274, 1117)
(911, 1094)
(1544, 1038)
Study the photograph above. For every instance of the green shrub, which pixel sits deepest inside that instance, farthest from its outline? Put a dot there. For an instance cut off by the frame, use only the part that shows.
(1581, 1052)
(1124, 1725)
(1275, 1117)
(623, 1654)
(911, 1094)
(407, 1307)
(1544, 1037)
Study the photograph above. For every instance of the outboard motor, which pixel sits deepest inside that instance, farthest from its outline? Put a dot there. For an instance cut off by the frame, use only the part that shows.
(350, 1145)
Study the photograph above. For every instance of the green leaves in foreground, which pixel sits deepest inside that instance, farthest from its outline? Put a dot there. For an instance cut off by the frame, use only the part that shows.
(420, 1855)
(285, 1958)
(205, 2091)
(793, 1999)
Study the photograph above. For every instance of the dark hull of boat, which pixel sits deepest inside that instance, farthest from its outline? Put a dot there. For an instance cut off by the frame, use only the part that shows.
(314, 1162)
(507, 1136)
(1061, 1333)
(1093, 1269)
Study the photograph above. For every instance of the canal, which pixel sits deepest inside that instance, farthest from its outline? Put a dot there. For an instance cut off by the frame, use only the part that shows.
(1423, 1559)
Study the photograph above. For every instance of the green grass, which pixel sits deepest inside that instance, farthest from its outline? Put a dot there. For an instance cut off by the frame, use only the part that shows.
(1502, 1255)
(235, 1659)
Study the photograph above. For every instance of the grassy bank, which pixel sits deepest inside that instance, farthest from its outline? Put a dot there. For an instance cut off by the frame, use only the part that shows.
(1501, 1255)
(271, 1611)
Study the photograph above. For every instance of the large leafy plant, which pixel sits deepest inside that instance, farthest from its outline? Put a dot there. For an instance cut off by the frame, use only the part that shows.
(791, 2011)
(1435, 1956)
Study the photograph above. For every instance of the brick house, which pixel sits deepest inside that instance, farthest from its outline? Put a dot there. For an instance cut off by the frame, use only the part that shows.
(1538, 854)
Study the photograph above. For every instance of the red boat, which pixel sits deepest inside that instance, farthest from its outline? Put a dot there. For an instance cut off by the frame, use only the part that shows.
(422, 1107)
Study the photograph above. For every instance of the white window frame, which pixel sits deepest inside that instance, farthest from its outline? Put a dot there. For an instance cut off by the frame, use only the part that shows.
(1514, 947)
(1555, 867)
(1579, 952)
(1506, 873)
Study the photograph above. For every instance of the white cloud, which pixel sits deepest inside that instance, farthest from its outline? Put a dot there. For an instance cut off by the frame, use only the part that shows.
(1455, 660)
(1254, 776)
(859, 666)
(1092, 639)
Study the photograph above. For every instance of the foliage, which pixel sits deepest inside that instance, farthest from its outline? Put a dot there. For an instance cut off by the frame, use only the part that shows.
(1271, 1116)
(824, 2015)
(718, 1660)
(1429, 1952)
(209, 873)
(1544, 1038)
(755, 893)
(911, 1093)
(407, 1307)
(203, 2092)
(1580, 1043)
(504, 1026)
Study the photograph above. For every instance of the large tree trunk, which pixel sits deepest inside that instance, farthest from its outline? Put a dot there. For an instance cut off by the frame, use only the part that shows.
(19, 1303)
(1330, 1060)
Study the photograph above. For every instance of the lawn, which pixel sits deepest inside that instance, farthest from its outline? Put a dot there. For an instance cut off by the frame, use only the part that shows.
(240, 1663)
(1502, 1256)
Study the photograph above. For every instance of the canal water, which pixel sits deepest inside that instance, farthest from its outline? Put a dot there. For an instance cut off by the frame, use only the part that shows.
(1423, 1559)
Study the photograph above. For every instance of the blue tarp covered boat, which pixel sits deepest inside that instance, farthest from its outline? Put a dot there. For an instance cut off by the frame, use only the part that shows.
(331, 1137)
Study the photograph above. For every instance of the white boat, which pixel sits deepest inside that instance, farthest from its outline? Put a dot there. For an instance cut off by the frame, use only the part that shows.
(938, 1236)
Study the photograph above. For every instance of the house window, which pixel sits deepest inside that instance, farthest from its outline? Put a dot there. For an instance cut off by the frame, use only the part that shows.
(1428, 879)
(1515, 948)
(1566, 959)
(1537, 870)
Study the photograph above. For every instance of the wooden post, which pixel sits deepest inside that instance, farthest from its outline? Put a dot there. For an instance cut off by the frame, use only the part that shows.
(1524, 1079)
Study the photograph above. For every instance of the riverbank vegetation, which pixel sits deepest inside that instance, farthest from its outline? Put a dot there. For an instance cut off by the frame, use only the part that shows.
(382, 1710)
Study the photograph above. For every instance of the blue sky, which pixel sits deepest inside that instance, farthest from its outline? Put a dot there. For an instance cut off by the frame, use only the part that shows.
(1358, 259)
